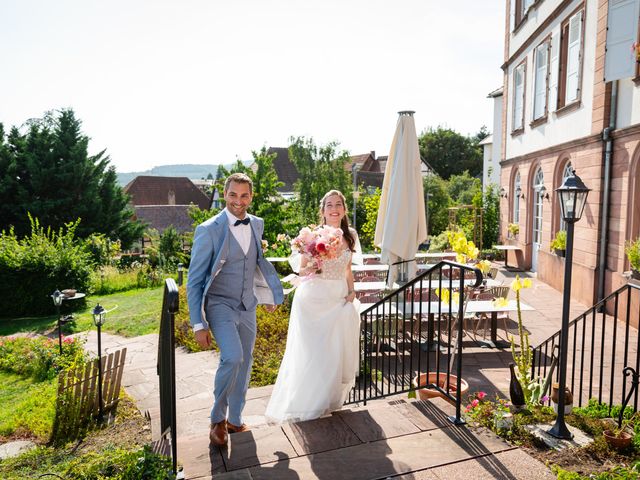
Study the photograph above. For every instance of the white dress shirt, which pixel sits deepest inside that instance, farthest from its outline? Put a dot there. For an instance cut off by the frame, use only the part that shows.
(242, 233)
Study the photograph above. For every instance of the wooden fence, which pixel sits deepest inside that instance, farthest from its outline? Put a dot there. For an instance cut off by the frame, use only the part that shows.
(77, 401)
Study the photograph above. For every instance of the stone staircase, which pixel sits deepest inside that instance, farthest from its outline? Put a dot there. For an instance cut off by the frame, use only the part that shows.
(400, 438)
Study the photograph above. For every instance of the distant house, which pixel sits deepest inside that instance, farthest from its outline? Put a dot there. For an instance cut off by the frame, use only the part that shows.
(491, 144)
(164, 201)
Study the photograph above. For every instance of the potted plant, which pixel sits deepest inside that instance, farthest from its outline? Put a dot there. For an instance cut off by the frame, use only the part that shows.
(568, 398)
(502, 416)
(632, 249)
(513, 230)
(618, 436)
(559, 243)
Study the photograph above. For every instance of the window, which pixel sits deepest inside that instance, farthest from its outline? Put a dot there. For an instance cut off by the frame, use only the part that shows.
(541, 81)
(517, 190)
(518, 97)
(565, 173)
(570, 60)
(519, 9)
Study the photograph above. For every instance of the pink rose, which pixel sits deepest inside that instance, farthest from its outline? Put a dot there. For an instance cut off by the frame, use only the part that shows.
(481, 395)
(475, 402)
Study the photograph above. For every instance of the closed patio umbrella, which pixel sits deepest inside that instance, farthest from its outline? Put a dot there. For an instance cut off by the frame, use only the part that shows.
(401, 225)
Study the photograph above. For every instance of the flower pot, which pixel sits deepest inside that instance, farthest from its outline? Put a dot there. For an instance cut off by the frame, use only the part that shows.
(432, 378)
(559, 252)
(568, 408)
(620, 441)
(635, 274)
(503, 421)
(568, 396)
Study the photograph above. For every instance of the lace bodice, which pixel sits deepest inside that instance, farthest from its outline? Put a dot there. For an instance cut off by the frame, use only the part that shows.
(336, 268)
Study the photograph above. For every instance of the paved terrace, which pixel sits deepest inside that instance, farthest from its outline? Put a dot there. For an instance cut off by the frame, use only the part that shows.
(392, 437)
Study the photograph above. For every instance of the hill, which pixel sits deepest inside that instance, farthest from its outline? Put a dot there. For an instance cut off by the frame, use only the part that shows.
(194, 171)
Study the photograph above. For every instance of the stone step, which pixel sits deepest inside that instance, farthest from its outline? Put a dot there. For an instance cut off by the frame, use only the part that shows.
(385, 438)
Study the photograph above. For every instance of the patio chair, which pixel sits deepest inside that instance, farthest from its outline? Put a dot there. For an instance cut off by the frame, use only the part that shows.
(369, 278)
(493, 272)
(386, 328)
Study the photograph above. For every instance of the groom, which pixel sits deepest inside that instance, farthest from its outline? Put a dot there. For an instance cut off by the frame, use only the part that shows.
(228, 277)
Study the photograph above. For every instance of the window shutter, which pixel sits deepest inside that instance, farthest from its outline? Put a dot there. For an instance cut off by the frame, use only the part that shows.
(553, 73)
(540, 94)
(512, 14)
(518, 91)
(622, 32)
(573, 58)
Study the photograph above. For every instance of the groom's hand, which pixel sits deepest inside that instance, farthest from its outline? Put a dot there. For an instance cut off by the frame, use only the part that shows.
(270, 308)
(203, 337)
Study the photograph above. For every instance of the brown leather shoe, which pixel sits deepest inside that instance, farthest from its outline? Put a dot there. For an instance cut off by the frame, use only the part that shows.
(234, 429)
(218, 433)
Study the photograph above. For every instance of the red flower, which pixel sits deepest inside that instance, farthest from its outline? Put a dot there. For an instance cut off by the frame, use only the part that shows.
(481, 395)
(321, 247)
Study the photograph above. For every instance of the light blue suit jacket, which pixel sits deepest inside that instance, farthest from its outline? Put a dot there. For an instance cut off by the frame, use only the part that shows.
(208, 256)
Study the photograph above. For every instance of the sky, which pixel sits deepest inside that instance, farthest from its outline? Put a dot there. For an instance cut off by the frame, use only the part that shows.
(159, 82)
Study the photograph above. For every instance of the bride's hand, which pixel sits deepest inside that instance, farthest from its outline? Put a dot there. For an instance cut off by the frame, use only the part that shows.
(351, 296)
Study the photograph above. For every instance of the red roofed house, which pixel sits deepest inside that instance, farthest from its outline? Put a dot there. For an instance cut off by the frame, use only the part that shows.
(164, 201)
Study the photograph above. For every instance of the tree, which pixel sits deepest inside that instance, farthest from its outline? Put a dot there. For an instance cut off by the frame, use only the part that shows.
(436, 191)
(463, 187)
(49, 173)
(267, 202)
(450, 153)
(320, 169)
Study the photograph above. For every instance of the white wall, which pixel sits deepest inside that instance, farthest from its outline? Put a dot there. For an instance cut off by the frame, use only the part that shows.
(558, 128)
(628, 104)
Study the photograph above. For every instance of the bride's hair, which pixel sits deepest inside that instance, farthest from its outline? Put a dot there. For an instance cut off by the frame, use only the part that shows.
(344, 223)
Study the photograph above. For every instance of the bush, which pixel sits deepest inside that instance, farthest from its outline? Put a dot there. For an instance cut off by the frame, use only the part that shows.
(109, 463)
(632, 249)
(270, 339)
(101, 249)
(39, 357)
(112, 280)
(33, 267)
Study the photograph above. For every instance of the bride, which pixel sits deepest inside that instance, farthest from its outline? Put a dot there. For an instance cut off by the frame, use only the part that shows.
(321, 357)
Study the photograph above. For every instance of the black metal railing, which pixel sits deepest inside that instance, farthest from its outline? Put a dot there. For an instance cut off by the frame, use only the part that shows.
(411, 337)
(167, 368)
(602, 342)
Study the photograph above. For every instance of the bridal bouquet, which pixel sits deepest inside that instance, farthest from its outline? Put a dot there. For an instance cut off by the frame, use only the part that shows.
(317, 244)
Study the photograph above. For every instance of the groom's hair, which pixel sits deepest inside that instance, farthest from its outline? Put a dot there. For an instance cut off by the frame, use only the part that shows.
(238, 178)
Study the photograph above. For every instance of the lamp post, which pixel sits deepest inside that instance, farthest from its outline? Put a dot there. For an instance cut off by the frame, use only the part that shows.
(572, 196)
(57, 301)
(99, 317)
(180, 273)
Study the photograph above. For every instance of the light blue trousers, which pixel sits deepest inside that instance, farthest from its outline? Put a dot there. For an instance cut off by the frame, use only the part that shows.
(235, 334)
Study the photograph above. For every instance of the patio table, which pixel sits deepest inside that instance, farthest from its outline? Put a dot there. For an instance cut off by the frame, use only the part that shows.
(506, 249)
(473, 306)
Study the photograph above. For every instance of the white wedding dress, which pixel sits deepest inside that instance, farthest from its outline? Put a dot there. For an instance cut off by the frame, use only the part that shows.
(321, 358)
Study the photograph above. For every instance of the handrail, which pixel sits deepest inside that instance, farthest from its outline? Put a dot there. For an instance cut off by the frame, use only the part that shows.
(387, 319)
(591, 346)
(167, 367)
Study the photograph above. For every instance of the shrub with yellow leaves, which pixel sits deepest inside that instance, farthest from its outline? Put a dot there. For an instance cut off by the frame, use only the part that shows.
(465, 250)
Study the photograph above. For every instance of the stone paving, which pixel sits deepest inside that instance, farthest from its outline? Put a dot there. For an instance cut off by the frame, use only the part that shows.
(421, 451)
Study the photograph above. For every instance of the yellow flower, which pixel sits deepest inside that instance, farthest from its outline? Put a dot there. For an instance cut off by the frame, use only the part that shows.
(500, 302)
(472, 251)
(444, 294)
(484, 266)
(526, 283)
(516, 285)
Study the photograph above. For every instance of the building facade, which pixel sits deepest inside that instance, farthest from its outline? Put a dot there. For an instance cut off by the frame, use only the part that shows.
(563, 109)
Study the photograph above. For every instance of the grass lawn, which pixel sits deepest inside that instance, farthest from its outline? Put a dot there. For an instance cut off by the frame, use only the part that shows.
(138, 313)
(27, 407)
